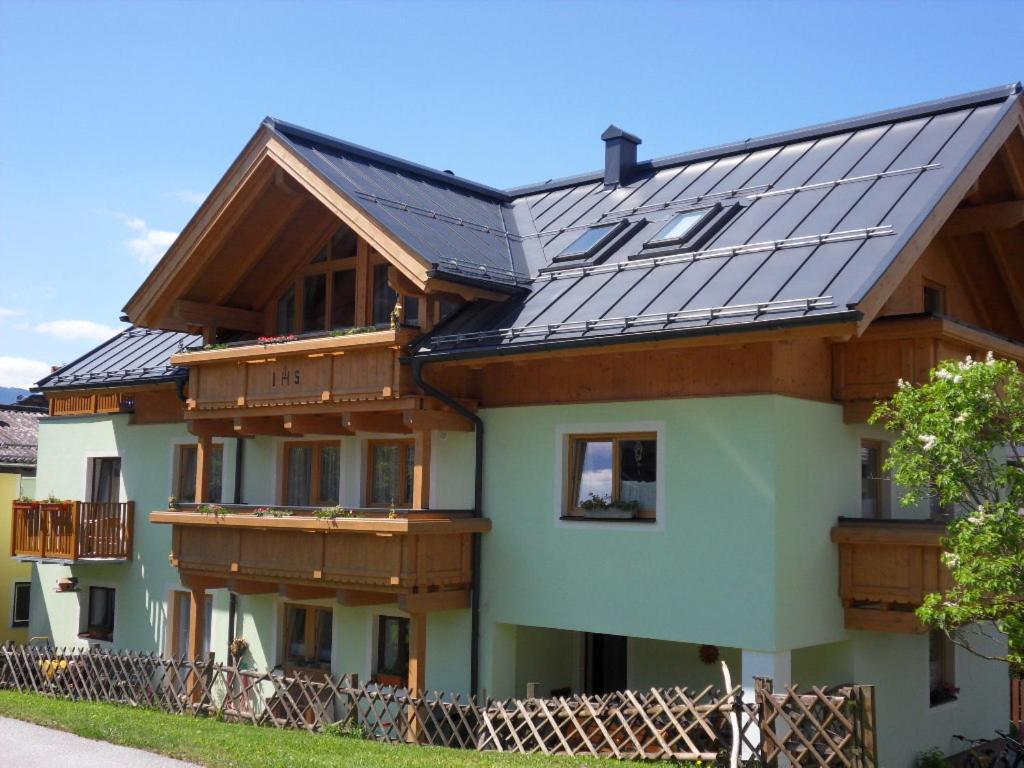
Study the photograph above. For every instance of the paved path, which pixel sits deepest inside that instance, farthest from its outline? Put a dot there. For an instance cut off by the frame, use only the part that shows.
(24, 745)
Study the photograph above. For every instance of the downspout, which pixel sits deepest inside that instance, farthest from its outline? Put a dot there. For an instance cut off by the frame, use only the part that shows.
(478, 497)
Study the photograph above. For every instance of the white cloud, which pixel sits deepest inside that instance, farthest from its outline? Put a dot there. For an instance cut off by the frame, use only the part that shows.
(6, 312)
(149, 244)
(73, 330)
(188, 196)
(21, 372)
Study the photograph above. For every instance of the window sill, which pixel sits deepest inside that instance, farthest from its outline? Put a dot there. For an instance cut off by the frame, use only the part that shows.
(628, 520)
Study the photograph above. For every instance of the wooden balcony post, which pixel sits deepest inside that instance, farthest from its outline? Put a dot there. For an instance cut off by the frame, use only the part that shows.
(76, 530)
(204, 453)
(417, 669)
(421, 471)
(196, 633)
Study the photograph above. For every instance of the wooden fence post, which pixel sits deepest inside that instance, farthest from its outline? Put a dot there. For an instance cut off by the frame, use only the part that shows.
(865, 730)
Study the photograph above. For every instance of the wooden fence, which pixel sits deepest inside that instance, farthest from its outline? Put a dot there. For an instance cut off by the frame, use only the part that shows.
(821, 728)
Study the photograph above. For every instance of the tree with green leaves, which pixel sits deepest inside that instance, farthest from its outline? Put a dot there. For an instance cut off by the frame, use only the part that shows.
(960, 437)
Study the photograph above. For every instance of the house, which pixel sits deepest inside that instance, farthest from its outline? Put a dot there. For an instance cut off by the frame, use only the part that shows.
(590, 433)
(19, 424)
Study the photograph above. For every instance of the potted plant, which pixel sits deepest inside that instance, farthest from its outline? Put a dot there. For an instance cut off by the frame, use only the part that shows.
(602, 507)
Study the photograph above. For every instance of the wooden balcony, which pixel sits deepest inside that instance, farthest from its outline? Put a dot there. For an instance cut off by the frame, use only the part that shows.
(73, 531)
(886, 567)
(416, 557)
(316, 374)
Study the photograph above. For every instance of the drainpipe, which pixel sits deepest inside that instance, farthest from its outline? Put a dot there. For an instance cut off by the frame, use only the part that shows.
(478, 497)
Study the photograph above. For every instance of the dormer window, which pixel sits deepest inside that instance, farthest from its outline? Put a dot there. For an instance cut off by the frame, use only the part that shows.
(590, 242)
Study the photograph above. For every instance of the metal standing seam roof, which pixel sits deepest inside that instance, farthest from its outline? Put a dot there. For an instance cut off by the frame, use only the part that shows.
(134, 356)
(823, 213)
(464, 229)
(19, 428)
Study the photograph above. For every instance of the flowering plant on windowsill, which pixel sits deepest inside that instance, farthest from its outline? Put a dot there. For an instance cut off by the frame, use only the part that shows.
(276, 339)
(600, 505)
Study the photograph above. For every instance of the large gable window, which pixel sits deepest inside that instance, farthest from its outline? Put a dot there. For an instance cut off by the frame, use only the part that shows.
(323, 297)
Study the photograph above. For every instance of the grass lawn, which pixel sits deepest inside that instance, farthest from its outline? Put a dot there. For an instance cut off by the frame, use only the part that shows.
(213, 743)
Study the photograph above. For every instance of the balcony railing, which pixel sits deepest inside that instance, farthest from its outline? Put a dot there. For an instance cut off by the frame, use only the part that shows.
(358, 549)
(72, 531)
(886, 567)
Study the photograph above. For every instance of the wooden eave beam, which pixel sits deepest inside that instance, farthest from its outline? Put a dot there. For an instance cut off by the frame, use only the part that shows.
(247, 426)
(197, 313)
(428, 602)
(873, 301)
(315, 425)
(383, 422)
(957, 258)
(249, 587)
(985, 218)
(303, 592)
(449, 421)
(1009, 272)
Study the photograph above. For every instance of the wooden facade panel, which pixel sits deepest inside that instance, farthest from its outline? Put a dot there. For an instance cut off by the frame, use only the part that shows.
(287, 380)
(364, 373)
(325, 558)
(219, 385)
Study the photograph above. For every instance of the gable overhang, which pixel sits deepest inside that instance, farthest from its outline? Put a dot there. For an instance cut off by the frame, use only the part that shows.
(266, 160)
(877, 289)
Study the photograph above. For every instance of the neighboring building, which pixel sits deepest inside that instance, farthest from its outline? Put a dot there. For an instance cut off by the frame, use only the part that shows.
(19, 425)
(581, 428)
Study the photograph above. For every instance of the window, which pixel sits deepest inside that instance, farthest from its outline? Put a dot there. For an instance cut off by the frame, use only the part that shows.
(185, 475)
(307, 636)
(389, 472)
(392, 665)
(312, 475)
(941, 668)
(874, 486)
(100, 614)
(612, 476)
(588, 243)
(22, 601)
(384, 296)
(934, 298)
(323, 296)
(681, 226)
(105, 479)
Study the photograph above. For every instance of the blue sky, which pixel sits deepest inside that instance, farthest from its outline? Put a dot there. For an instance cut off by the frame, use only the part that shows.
(118, 117)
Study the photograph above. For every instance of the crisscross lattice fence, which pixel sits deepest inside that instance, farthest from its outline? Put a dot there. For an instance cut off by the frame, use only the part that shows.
(822, 728)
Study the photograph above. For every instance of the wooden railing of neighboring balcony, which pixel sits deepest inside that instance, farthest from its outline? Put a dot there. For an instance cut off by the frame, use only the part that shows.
(368, 549)
(72, 531)
(886, 567)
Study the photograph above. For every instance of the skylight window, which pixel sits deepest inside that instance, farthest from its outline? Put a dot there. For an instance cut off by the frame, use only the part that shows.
(680, 227)
(589, 242)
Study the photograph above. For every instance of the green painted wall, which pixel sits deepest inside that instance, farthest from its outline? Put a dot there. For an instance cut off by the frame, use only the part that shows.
(143, 585)
(11, 571)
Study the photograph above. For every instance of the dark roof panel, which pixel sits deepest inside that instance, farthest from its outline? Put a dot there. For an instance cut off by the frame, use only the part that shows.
(19, 427)
(821, 219)
(135, 356)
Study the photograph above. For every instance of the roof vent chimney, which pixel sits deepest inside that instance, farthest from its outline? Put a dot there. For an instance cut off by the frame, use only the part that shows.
(619, 155)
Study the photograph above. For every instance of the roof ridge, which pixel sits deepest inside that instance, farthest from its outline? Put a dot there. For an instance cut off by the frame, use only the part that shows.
(451, 179)
(818, 130)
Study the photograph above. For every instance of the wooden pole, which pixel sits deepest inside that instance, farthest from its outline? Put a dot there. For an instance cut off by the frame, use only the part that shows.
(196, 633)
(417, 668)
(421, 471)
(204, 454)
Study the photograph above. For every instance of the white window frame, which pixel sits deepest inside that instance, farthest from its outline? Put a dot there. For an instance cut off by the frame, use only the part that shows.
(89, 457)
(562, 433)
